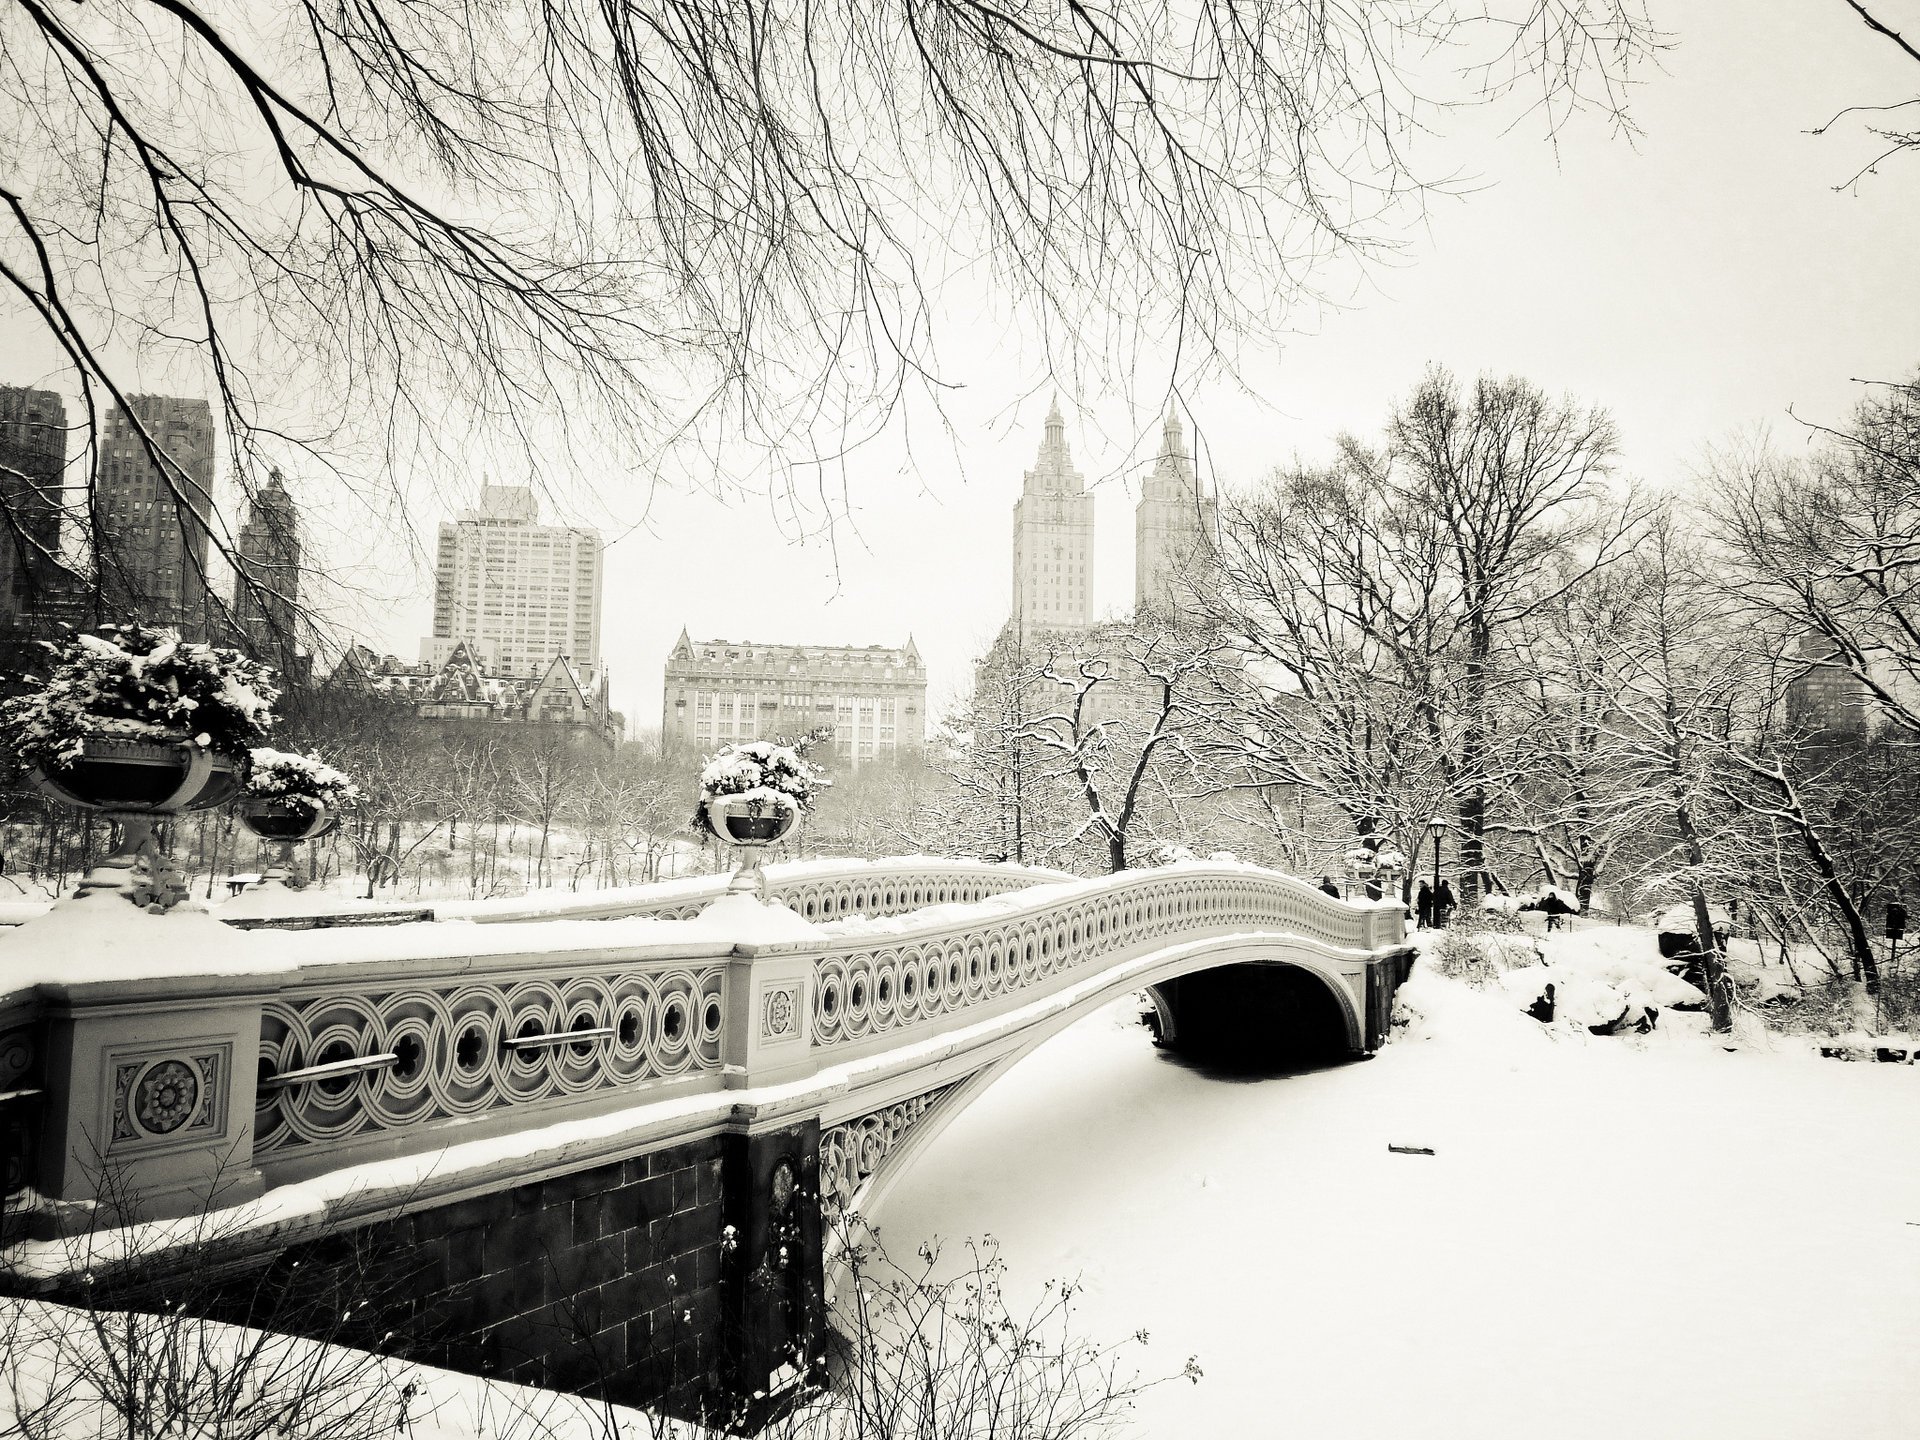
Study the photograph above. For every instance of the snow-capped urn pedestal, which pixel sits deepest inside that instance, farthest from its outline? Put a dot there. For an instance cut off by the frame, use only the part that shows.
(291, 799)
(136, 724)
(135, 783)
(750, 797)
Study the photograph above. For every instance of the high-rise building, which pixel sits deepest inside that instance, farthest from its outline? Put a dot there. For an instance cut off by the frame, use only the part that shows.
(1052, 542)
(719, 692)
(33, 455)
(1826, 700)
(1174, 524)
(518, 593)
(266, 587)
(150, 513)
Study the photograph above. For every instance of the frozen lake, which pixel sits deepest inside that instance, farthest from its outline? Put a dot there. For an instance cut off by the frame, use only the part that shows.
(1647, 1238)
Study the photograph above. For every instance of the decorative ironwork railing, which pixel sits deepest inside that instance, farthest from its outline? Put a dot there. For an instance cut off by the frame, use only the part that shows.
(338, 1061)
(460, 1037)
(915, 977)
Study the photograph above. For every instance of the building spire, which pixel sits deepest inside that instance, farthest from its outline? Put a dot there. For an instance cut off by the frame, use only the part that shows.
(1173, 442)
(1053, 467)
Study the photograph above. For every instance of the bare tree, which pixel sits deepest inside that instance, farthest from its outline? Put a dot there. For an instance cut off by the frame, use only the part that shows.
(1894, 125)
(1387, 596)
(546, 776)
(1114, 724)
(1679, 694)
(1829, 546)
(381, 235)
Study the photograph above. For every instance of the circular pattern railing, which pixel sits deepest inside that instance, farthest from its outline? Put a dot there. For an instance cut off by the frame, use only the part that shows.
(905, 980)
(336, 1064)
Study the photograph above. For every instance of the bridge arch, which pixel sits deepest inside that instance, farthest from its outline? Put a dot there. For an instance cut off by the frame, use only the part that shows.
(864, 1156)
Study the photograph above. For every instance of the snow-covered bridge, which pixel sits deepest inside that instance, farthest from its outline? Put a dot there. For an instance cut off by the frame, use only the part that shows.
(594, 1144)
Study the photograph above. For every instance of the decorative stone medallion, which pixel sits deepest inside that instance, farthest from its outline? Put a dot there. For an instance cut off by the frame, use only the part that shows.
(782, 1186)
(778, 1011)
(169, 1097)
(166, 1096)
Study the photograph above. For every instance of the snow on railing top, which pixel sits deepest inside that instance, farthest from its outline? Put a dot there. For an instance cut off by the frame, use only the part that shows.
(812, 889)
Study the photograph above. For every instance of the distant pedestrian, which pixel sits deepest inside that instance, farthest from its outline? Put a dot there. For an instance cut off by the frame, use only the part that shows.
(1327, 887)
(1443, 903)
(1423, 905)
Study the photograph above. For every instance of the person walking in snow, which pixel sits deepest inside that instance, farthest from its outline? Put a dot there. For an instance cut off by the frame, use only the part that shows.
(1443, 903)
(1327, 887)
(1423, 905)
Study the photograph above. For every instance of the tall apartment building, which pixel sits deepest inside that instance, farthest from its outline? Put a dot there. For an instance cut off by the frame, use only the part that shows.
(1053, 542)
(1174, 524)
(266, 587)
(719, 692)
(1826, 700)
(150, 516)
(518, 593)
(33, 455)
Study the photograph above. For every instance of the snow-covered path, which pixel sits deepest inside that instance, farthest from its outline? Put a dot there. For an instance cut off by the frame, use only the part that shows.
(1614, 1238)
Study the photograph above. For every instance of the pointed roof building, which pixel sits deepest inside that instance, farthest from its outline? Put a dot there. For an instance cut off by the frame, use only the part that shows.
(1052, 542)
(1174, 524)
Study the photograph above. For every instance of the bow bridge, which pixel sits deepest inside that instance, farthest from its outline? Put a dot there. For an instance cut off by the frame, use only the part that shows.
(604, 1148)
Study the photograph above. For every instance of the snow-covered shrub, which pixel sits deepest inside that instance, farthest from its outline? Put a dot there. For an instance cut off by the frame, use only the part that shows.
(770, 776)
(284, 775)
(137, 682)
(1479, 956)
(1173, 854)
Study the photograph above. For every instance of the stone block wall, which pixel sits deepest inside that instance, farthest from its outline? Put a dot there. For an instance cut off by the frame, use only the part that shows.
(603, 1282)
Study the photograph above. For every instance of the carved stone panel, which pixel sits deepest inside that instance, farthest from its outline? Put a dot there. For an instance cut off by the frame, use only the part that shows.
(164, 1098)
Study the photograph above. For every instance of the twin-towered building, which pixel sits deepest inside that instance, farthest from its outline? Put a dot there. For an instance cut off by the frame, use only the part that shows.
(1053, 537)
(874, 698)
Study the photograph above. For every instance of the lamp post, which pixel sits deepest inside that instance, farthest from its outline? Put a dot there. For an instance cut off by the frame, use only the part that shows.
(1436, 827)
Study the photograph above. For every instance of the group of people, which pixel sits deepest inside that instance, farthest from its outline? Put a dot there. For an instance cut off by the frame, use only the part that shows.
(1431, 908)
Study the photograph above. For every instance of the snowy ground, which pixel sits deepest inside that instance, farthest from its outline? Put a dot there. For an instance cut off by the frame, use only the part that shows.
(1616, 1236)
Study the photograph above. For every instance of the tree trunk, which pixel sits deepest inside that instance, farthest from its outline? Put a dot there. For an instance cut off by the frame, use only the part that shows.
(1712, 964)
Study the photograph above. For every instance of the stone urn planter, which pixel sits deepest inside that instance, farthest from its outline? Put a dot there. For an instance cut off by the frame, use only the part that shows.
(135, 723)
(292, 798)
(288, 818)
(141, 778)
(751, 794)
(750, 824)
(286, 821)
(135, 783)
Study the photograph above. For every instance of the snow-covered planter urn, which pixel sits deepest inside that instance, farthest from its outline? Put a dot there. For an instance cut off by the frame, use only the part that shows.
(137, 724)
(290, 798)
(750, 797)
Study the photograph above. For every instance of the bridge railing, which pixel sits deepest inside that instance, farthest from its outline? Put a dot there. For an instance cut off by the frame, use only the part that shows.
(813, 889)
(921, 977)
(324, 1059)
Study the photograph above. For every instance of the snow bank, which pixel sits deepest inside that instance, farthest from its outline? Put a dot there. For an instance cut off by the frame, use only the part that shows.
(1601, 977)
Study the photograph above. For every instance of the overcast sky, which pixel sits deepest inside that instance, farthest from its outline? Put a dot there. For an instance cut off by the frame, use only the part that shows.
(1699, 282)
